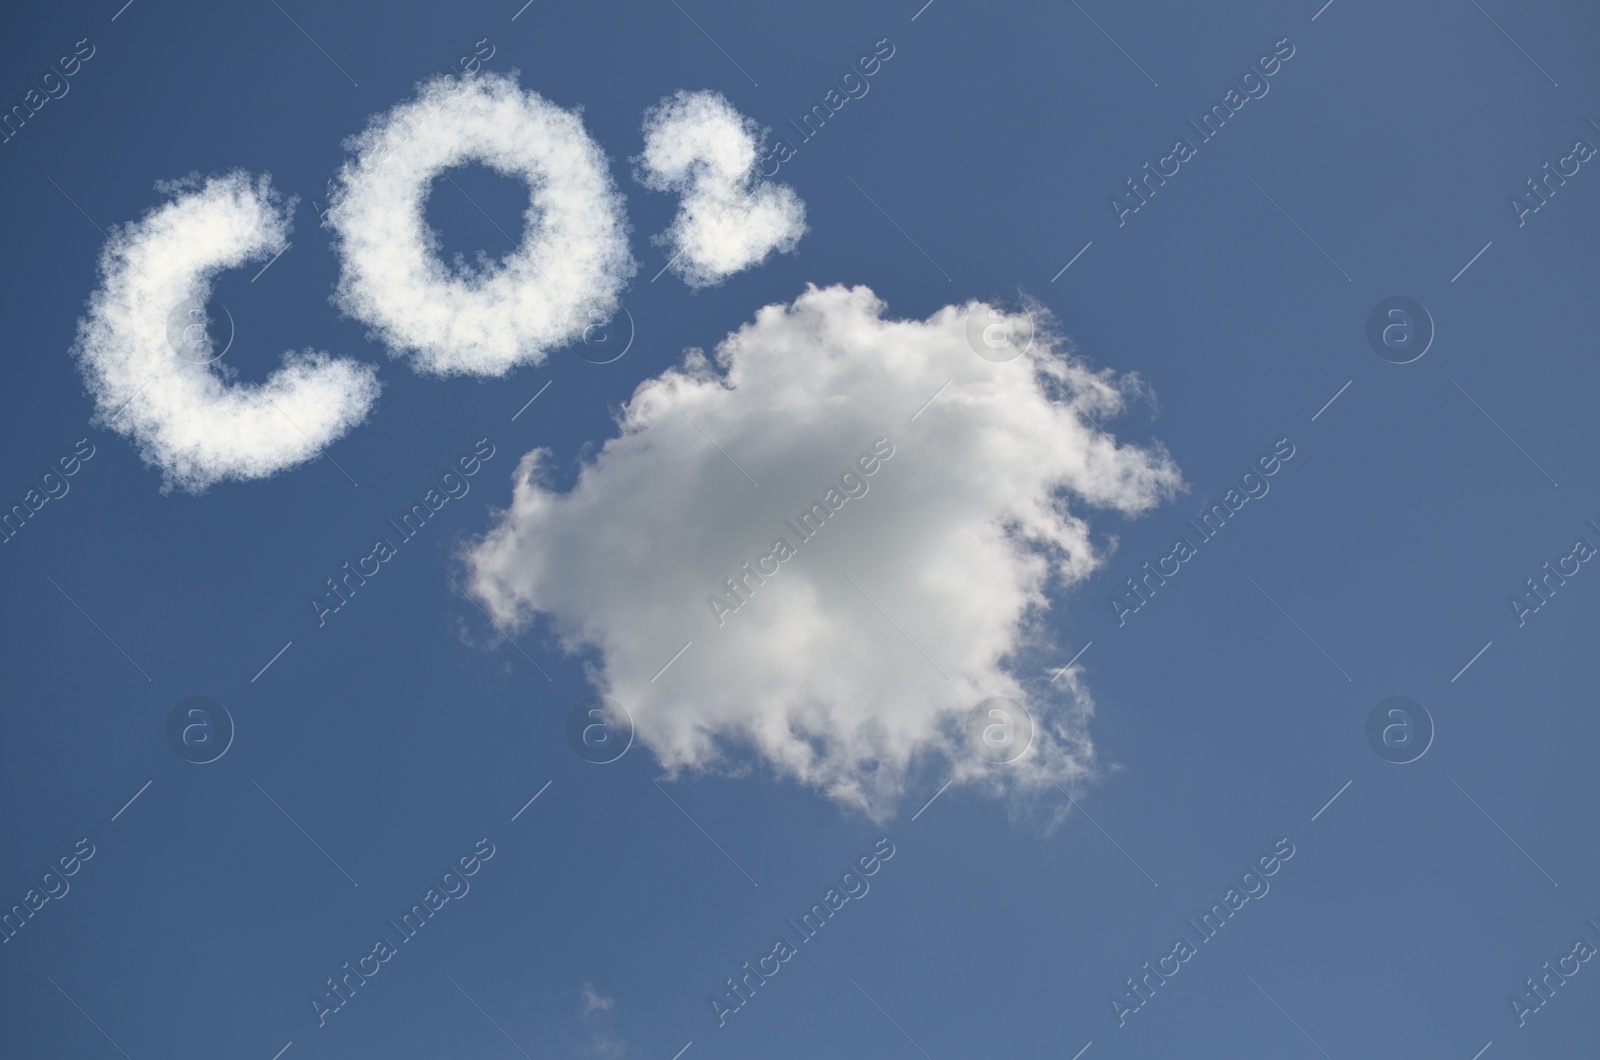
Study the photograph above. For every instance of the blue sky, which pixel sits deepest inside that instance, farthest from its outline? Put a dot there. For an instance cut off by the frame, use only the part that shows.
(373, 751)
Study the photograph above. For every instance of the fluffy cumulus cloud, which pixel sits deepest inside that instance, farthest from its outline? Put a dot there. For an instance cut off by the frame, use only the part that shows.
(920, 550)
(149, 365)
(697, 145)
(566, 275)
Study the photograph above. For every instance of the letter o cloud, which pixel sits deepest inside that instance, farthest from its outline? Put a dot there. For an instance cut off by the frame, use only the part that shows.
(181, 415)
(484, 322)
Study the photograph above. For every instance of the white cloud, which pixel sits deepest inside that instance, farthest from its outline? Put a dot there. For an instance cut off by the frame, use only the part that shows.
(698, 145)
(594, 1002)
(980, 509)
(599, 1013)
(488, 319)
(183, 415)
